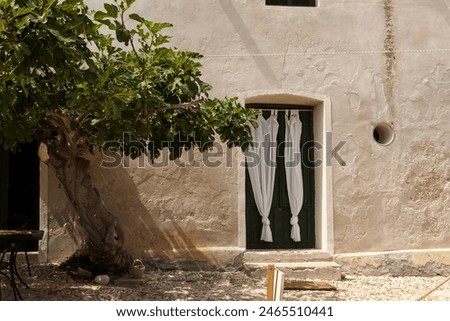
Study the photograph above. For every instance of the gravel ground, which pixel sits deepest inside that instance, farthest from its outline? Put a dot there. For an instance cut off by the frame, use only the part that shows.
(49, 283)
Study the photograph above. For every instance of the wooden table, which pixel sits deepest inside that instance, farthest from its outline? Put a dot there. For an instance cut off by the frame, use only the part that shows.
(13, 239)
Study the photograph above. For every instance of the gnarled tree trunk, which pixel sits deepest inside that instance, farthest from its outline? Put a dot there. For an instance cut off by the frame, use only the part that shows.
(103, 241)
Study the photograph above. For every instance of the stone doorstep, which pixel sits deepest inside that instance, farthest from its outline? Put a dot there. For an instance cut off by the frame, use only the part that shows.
(320, 270)
(278, 256)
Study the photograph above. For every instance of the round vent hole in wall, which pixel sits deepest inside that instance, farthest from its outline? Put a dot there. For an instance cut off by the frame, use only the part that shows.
(383, 134)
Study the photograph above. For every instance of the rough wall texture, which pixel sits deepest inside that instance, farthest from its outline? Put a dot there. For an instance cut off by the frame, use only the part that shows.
(377, 60)
(58, 219)
(177, 210)
(376, 66)
(399, 194)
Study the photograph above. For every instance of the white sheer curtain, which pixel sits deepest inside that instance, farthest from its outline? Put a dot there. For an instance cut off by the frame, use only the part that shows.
(261, 164)
(293, 164)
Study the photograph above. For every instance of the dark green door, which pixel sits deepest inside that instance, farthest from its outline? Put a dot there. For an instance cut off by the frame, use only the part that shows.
(280, 213)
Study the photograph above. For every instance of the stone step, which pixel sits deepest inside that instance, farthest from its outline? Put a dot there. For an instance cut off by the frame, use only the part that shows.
(286, 256)
(319, 270)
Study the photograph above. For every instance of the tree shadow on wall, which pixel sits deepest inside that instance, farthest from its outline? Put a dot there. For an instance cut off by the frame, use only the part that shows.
(145, 238)
(234, 16)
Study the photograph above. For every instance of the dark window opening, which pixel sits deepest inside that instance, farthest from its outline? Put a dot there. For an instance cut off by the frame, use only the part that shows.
(19, 190)
(292, 3)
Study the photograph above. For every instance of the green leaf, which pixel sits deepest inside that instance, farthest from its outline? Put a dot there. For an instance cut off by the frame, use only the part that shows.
(105, 76)
(115, 109)
(59, 36)
(156, 27)
(112, 10)
(136, 17)
(23, 22)
(7, 99)
(23, 83)
(22, 11)
(100, 15)
(125, 97)
(107, 23)
(24, 48)
(51, 4)
(95, 121)
(129, 2)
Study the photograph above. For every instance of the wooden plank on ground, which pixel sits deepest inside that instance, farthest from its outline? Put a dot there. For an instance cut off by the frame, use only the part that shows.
(270, 283)
(279, 285)
(293, 284)
(275, 283)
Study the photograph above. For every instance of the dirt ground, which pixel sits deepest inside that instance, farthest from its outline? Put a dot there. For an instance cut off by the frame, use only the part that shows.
(50, 283)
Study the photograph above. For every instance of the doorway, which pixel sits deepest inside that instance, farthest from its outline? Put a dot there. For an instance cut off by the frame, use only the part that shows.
(280, 214)
(19, 189)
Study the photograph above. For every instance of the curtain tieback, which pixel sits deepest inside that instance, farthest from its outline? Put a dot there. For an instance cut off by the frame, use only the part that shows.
(294, 220)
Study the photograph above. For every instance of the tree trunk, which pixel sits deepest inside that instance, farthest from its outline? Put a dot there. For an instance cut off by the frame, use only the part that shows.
(103, 243)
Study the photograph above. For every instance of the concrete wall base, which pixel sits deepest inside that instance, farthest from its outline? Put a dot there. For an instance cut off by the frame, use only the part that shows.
(197, 258)
(426, 262)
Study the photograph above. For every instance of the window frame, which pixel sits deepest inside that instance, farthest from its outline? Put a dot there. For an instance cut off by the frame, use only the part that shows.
(292, 3)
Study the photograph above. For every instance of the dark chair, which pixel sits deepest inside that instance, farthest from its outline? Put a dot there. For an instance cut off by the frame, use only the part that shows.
(8, 271)
(4, 269)
(21, 222)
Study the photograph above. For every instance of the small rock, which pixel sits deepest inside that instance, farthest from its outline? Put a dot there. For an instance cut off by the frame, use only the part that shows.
(102, 279)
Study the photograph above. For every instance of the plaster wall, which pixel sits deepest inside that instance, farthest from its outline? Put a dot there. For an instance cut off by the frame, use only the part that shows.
(374, 60)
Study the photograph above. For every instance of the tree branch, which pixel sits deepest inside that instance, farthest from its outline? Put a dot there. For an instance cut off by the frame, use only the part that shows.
(70, 141)
(190, 105)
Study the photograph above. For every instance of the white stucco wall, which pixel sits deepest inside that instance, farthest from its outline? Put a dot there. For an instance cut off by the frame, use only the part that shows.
(374, 60)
